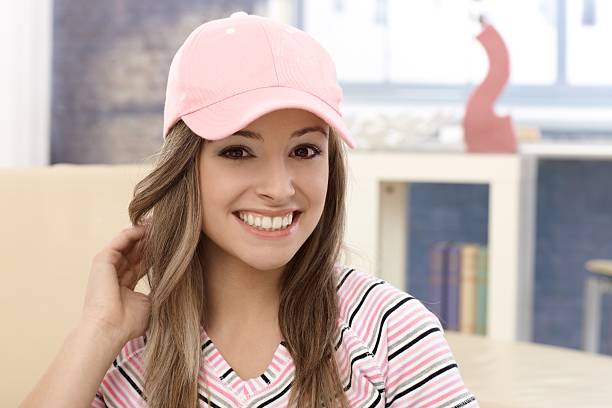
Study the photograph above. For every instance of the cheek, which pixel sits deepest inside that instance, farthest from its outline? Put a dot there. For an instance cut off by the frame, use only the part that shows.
(315, 186)
(217, 189)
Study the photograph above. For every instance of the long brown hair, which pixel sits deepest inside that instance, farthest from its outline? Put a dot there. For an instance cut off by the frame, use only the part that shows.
(168, 201)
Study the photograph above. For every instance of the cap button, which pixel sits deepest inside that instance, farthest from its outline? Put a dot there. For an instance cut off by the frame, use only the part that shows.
(239, 14)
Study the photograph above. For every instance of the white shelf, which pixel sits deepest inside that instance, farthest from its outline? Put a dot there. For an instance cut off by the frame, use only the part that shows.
(569, 150)
(377, 227)
(593, 150)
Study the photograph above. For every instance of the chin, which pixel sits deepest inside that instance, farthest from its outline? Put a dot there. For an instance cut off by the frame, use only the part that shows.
(267, 263)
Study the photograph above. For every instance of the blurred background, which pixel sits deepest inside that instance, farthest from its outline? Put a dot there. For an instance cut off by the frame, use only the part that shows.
(84, 83)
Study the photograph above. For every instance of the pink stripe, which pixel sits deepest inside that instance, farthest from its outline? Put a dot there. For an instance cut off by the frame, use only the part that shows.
(280, 358)
(407, 367)
(399, 372)
(289, 367)
(374, 312)
(417, 351)
(135, 363)
(252, 387)
(115, 389)
(234, 382)
(343, 364)
(216, 360)
(455, 390)
(275, 366)
(354, 287)
(401, 326)
(220, 389)
(441, 385)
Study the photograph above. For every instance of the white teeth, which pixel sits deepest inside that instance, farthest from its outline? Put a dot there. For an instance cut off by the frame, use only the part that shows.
(277, 222)
(268, 223)
(285, 221)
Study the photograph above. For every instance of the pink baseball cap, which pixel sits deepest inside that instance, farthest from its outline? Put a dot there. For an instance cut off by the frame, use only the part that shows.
(230, 71)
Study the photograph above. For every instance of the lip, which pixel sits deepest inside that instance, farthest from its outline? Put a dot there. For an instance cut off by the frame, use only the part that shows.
(269, 213)
(271, 234)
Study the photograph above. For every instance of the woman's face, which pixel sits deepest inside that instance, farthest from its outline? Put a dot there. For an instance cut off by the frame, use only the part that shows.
(274, 167)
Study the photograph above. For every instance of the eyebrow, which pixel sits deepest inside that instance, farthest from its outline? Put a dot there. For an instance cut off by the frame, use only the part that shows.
(297, 133)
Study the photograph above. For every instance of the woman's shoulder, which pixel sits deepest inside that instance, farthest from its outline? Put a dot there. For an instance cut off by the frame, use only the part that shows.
(369, 304)
(400, 339)
(358, 289)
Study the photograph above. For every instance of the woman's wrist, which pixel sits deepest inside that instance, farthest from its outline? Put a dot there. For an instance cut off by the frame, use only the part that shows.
(104, 335)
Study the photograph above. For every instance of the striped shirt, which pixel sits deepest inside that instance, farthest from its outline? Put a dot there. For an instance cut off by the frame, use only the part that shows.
(390, 349)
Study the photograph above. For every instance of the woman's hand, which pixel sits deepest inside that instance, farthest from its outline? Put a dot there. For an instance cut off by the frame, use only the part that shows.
(111, 304)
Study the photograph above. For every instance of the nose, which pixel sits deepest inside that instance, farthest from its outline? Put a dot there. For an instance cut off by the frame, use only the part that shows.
(275, 180)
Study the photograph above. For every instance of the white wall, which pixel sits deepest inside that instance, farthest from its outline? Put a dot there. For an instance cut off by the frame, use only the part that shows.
(25, 82)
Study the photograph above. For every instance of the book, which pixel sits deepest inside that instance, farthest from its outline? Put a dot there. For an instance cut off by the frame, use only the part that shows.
(453, 286)
(467, 298)
(438, 268)
(481, 291)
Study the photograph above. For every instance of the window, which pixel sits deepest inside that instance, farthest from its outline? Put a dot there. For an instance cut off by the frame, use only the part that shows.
(427, 50)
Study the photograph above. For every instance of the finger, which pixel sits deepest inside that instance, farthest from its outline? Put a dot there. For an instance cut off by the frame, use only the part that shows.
(135, 254)
(127, 278)
(133, 266)
(139, 273)
(125, 241)
(132, 275)
(117, 251)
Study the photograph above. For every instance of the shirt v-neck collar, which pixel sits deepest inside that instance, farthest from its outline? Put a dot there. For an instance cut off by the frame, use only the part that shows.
(280, 365)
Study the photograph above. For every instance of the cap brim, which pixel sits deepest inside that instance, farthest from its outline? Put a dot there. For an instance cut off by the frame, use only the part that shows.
(223, 118)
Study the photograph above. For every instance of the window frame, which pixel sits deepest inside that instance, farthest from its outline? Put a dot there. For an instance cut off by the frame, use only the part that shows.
(559, 95)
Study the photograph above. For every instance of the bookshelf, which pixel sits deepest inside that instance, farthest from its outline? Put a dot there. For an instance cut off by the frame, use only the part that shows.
(379, 184)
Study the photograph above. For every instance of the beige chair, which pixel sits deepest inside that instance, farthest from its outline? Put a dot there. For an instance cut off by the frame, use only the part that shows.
(599, 282)
(53, 220)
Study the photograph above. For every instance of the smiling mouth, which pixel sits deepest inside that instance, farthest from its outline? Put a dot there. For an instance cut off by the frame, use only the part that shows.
(295, 217)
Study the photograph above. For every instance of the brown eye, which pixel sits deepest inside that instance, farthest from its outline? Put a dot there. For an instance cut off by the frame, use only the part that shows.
(234, 153)
(303, 151)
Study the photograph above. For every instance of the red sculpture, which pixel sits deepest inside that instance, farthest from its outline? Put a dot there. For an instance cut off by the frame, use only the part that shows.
(484, 131)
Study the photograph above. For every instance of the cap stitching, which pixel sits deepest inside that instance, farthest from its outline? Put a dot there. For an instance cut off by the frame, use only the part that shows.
(262, 87)
(271, 52)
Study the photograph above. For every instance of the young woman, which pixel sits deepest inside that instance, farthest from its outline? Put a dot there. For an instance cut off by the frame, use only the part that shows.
(238, 229)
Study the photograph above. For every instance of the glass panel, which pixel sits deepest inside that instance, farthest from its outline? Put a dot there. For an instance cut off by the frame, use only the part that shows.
(589, 35)
(433, 41)
(530, 30)
(352, 35)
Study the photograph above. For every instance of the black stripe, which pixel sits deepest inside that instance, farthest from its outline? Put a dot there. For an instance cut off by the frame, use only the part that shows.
(355, 312)
(225, 374)
(341, 334)
(208, 343)
(343, 279)
(420, 383)
(209, 403)
(375, 403)
(263, 377)
(463, 403)
(271, 400)
(408, 345)
(127, 377)
(365, 295)
(359, 357)
(385, 316)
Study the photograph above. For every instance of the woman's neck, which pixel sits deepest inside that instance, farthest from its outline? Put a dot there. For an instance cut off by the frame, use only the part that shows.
(239, 297)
